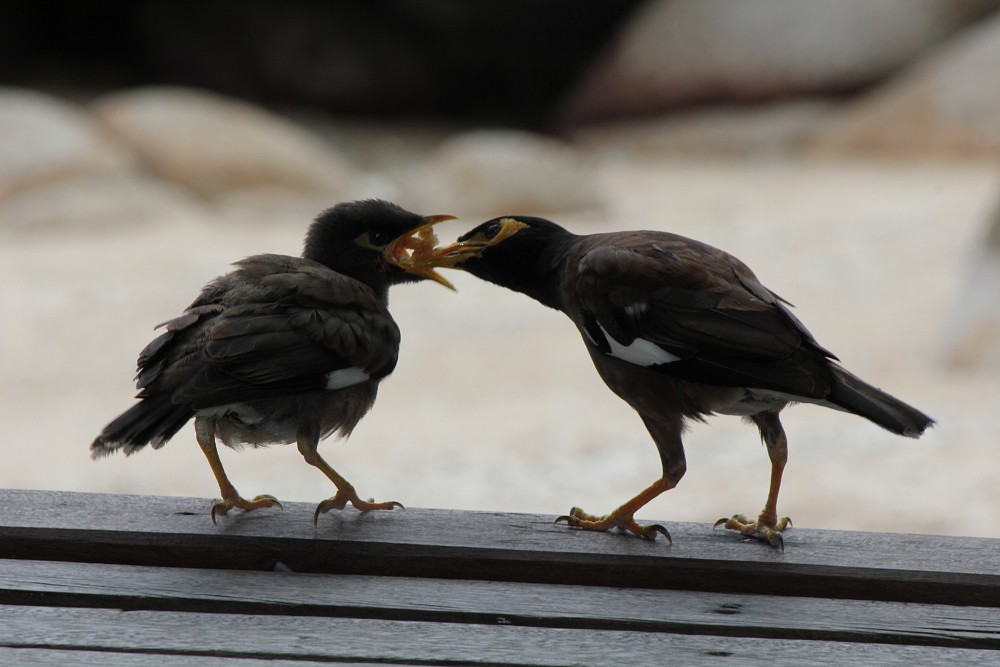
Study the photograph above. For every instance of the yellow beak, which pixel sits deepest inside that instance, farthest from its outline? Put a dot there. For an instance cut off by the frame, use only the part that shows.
(456, 253)
(415, 252)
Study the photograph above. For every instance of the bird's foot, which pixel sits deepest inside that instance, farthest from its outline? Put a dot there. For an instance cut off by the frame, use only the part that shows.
(235, 501)
(623, 521)
(767, 528)
(343, 497)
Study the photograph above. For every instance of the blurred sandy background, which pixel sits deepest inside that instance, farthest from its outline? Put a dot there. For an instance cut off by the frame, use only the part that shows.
(855, 170)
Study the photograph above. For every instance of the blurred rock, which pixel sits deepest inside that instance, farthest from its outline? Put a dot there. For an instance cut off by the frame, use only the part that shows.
(96, 201)
(947, 105)
(275, 206)
(973, 335)
(682, 52)
(44, 139)
(493, 172)
(217, 146)
(732, 131)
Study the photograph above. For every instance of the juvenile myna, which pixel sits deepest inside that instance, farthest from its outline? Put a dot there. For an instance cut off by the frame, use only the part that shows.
(283, 349)
(679, 330)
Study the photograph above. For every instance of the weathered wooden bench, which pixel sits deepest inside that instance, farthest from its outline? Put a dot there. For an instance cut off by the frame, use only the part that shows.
(90, 579)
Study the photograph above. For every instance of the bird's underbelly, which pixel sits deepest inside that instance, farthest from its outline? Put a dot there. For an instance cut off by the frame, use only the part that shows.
(754, 401)
(279, 421)
(256, 423)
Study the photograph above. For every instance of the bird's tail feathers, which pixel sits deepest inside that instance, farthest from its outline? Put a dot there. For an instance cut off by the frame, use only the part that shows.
(153, 420)
(857, 396)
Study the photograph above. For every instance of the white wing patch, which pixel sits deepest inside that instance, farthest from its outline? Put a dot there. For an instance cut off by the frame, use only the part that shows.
(345, 377)
(640, 352)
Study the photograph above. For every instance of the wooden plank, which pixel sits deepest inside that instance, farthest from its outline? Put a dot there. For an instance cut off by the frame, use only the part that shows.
(148, 530)
(31, 657)
(37, 583)
(375, 641)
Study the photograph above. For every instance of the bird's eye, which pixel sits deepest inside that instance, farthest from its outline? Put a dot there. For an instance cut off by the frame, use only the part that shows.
(379, 238)
(492, 230)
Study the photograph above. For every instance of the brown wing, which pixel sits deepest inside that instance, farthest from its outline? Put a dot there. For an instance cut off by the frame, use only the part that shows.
(715, 322)
(275, 326)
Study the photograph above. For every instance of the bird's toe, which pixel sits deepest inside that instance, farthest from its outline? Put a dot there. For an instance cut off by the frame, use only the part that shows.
(765, 528)
(221, 506)
(734, 522)
(335, 503)
(340, 501)
(577, 518)
(266, 500)
(370, 505)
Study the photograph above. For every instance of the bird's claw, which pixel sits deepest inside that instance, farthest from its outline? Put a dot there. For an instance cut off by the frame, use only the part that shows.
(764, 528)
(577, 518)
(650, 531)
(340, 500)
(370, 504)
(221, 506)
(731, 521)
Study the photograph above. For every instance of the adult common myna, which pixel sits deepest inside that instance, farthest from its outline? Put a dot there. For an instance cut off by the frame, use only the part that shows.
(283, 349)
(679, 330)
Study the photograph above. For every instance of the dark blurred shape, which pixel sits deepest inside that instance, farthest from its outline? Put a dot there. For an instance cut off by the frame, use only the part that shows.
(506, 62)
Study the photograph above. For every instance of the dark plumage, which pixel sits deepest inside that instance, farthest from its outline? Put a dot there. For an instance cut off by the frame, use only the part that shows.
(679, 330)
(282, 349)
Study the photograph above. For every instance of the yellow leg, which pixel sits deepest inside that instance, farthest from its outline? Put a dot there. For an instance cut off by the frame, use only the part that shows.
(230, 496)
(667, 436)
(622, 517)
(345, 491)
(767, 527)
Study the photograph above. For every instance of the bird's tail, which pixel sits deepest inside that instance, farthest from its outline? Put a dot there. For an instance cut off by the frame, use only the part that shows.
(153, 420)
(854, 395)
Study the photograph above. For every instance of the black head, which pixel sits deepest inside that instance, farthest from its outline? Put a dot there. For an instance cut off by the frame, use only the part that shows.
(373, 241)
(522, 253)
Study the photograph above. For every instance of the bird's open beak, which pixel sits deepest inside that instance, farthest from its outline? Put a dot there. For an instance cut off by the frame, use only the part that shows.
(416, 251)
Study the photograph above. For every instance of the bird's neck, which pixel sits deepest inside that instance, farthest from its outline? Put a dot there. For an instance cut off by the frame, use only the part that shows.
(541, 279)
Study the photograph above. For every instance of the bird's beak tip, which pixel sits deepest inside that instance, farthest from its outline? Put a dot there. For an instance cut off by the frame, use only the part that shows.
(431, 220)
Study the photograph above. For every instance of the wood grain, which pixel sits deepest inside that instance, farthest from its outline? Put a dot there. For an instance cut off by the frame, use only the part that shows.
(490, 603)
(46, 657)
(365, 641)
(177, 532)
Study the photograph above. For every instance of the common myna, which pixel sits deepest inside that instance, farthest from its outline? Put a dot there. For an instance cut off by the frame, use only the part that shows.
(679, 330)
(283, 349)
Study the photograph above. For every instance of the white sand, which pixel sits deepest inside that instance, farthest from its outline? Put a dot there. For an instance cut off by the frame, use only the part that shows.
(494, 404)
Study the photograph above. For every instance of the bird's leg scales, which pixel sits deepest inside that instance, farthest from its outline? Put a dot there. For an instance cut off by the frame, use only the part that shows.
(622, 517)
(231, 499)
